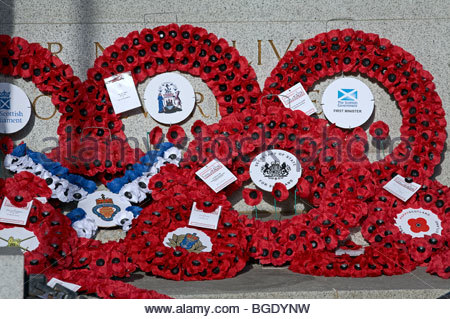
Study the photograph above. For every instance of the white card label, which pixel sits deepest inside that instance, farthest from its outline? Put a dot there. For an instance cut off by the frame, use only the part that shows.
(348, 103)
(15, 108)
(122, 92)
(216, 175)
(43, 200)
(418, 222)
(400, 188)
(52, 283)
(275, 166)
(296, 98)
(204, 220)
(11, 214)
(169, 98)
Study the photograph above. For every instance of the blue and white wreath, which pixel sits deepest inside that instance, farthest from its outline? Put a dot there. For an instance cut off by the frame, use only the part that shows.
(65, 187)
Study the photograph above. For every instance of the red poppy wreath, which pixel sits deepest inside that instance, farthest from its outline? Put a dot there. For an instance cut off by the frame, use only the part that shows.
(399, 239)
(345, 188)
(238, 138)
(60, 253)
(163, 243)
(91, 137)
(355, 52)
(340, 184)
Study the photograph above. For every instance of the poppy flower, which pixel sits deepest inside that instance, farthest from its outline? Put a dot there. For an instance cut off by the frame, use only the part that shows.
(418, 225)
(24, 187)
(139, 73)
(440, 264)
(118, 263)
(196, 263)
(35, 262)
(168, 267)
(4, 40)
(17, 47)
(157, 185)
(204, 202)
(420, 250)
(231, 125)
(246, 146)
(176, 135)
(379, 130)
(123, 44)
(252, 197)
(199, 128)
(256, 135)
(26, 67)
(222, 150)
(303, 187)
(280, 192)
(6, 67)
(162, 63)
(6, 145)
(100, 263)
(241, 170)
(155, 136)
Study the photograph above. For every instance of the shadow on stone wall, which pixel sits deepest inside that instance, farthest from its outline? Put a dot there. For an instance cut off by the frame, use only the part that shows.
(6, 17)
(6, 27)
(86, 13)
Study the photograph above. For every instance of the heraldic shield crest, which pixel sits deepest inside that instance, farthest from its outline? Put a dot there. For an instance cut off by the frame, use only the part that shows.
(105, 208)
(169, 98)
(193, 240)
(190, 241)
(275, 170)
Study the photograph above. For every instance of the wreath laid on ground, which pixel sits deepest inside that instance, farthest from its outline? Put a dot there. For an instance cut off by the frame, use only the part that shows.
(60, 252)
(157, 249)
(345, 189)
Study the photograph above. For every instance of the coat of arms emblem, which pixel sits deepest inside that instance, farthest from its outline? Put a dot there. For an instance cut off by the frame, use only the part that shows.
(169, 98)
(18, 237)
(16, 242)
(189, 241)
(105, 208)
(5, 100)
(275, 170)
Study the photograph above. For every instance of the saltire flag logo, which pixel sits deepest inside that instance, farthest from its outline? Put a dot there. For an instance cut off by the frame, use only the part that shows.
(5, 100)
(348, 95)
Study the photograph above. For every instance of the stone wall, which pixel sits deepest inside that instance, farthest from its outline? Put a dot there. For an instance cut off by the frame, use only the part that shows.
(263, 31)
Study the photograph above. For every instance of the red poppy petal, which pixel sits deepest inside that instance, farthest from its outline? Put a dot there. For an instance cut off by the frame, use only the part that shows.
(280, 192)
(155, 136)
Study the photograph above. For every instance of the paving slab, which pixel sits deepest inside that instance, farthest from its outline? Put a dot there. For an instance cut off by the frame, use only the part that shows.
(270, 282)
(11, 273)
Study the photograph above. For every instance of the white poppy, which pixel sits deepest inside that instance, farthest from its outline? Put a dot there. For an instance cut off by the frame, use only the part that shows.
(85, 228)
(124, 219)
